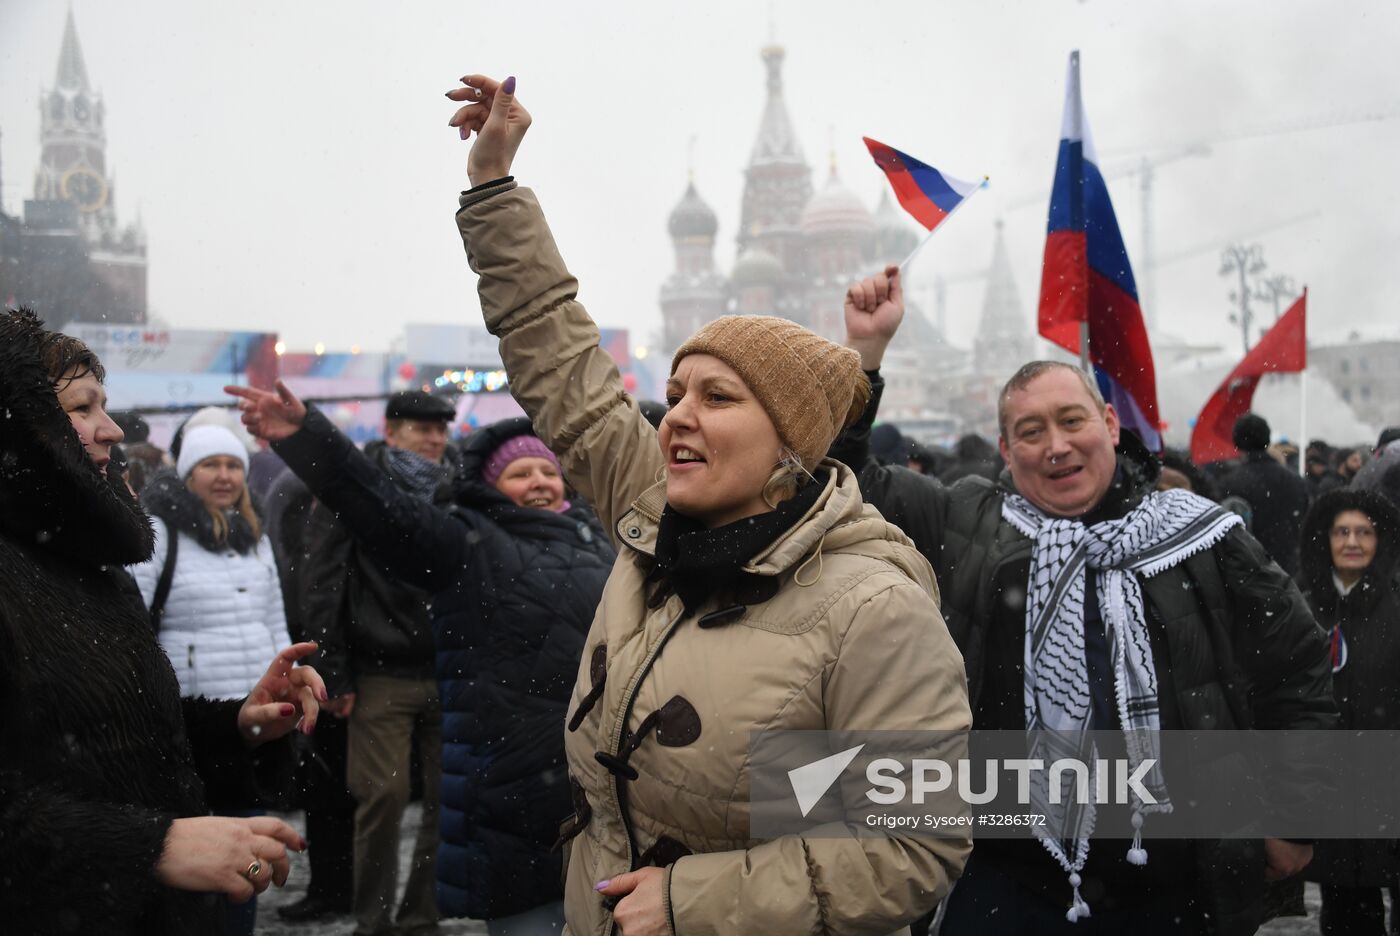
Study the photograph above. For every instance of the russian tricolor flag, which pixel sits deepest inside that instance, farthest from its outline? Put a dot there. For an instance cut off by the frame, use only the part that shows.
(923, 191)
(1087, 277)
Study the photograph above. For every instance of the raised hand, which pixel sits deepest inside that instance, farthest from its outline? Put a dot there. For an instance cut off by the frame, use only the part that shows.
(1284, 859)
(269, 416)
(287, 695)
(493, 113)
(874, 309)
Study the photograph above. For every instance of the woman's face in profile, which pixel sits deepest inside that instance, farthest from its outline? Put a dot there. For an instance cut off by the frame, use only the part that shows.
(85, 401)
(719, 444)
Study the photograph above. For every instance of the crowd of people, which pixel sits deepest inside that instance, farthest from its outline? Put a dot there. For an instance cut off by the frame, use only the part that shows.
(561, 631)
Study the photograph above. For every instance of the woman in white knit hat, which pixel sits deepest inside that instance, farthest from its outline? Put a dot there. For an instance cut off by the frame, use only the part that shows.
(222, 608)
(212, 583)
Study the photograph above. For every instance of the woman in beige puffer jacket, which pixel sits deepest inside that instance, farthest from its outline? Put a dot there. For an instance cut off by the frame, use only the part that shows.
(724, 615)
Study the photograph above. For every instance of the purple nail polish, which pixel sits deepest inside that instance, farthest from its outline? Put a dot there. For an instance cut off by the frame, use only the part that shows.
(508, 86)
(602, 885)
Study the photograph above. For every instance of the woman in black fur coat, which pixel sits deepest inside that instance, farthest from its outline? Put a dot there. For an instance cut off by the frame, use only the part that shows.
(1350, 560)
(105, 773)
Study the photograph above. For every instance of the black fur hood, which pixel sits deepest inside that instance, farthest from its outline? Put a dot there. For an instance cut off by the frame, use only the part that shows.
(1316, 553)
(167, 497)
(50, 491)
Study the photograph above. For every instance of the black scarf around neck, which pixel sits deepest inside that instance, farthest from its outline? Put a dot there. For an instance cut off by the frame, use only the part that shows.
(165, 496)
(697, 562)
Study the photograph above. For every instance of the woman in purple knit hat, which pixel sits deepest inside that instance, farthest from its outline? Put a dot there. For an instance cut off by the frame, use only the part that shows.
(515, 572)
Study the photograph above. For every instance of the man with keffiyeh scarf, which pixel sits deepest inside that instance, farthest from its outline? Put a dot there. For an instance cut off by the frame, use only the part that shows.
(1082, 599)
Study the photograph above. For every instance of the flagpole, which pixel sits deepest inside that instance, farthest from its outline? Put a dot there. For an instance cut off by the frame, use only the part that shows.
(1084, 363)
(1303, 424)
(929, 236)
(1303, 398)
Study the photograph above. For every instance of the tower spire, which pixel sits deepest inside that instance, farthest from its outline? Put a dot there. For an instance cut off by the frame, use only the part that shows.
(72, 72)
(777, 181)
(1003, 336)
(777, 142)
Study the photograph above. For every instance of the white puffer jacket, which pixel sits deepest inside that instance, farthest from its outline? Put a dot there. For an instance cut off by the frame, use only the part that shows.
(223, 622)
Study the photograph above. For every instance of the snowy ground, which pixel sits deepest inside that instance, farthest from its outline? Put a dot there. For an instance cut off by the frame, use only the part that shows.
(270, 924)
(1297, 926)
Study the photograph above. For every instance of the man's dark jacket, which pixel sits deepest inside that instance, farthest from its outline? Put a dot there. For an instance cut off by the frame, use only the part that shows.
(287, 508)
(1321, 484)
(1234, 644)
(367, 621)
(1279, 498)
(98, 752)
(513, 591)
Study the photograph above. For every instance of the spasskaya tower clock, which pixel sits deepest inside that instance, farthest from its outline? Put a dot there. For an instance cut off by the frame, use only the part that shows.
(74, 192)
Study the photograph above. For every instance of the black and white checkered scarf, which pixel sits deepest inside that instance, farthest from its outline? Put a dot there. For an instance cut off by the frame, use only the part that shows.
(1161, 532)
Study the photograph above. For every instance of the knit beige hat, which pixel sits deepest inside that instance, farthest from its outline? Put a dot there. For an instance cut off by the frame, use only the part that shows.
(810, 387)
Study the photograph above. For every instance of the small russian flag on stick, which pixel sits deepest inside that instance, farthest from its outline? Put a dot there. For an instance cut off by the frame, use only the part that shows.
(927, 194)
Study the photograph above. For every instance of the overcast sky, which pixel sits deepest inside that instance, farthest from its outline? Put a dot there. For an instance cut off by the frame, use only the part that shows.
(295, 173)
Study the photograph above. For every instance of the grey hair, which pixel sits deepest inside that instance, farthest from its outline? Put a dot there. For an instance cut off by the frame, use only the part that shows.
(1029, 372)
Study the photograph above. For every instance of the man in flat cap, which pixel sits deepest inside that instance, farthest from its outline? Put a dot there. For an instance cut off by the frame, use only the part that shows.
(377, 658)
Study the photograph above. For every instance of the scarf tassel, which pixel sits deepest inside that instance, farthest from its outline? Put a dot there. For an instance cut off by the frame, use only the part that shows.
(1137, 855)
(1079, 909)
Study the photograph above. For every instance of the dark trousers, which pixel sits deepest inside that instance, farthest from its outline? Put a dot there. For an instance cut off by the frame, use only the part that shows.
(330, 813)
(389, 714)
(1352, 911)
(986, 902)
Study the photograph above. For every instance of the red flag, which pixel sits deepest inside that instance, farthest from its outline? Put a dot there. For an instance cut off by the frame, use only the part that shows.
(1283, 348)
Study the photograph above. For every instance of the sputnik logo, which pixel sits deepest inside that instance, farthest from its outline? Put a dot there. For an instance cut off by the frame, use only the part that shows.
(811, 781)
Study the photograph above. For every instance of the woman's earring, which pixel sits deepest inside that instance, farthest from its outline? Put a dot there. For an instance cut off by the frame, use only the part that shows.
(776, 476)
(794, 465)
